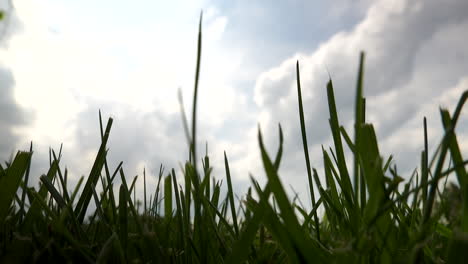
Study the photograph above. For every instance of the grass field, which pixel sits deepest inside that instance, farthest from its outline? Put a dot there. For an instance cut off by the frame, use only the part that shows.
(371, 214)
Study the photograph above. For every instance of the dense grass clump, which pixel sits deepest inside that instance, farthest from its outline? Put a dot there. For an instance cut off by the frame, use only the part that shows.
(371, 215)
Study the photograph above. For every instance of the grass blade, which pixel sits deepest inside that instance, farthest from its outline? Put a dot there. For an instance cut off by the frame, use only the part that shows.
(10, 182)
(231, 195)
(306, 149)
(335, 129)
(83, 202)
(168, 197)
(358, 122)
(195, 94)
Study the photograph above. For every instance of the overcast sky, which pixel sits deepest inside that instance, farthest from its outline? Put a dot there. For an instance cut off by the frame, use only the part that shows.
(62, 61)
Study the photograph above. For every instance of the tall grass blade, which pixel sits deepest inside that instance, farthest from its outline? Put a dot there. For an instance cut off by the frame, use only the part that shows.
(358, 122)
(335, 129)
(306, 149)
(195, 95)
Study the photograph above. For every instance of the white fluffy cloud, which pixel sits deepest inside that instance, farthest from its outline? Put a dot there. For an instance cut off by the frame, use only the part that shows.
(416, 60)
(63, 74)
(65, 68)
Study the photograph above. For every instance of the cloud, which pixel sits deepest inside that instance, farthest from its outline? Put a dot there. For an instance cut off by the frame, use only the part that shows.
(12, 115)
(138, 139)
(415, 56)
(132, 74)
(65, 72)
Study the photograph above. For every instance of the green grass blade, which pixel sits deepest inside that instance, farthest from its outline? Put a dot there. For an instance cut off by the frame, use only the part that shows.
(157, 191)
(328, 166)
(83, 202)
(335, 129)
(65, 195)
(10, 183)
(441, 158)
(306, 148)
(130, 203)
(425, 165)
(279, 153)
(195, 94)
(358, 122)
(168, 197)
(53, 192)
(347, 140)
(184, 117)
(144, 191)
(241, 247)
(459, 169)
(26, 180)
(183, 229)
(371, 163)
(111, 251)
(231, 195)
(132, 186)
(99, 208)
(312, 213)
(287, 212)
(123, 219)
(40, 201)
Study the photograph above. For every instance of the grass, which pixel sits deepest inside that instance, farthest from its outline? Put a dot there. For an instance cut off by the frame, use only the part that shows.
(371, 215)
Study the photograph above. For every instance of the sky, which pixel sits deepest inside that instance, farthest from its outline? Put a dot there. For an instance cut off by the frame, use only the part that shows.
(63, 61)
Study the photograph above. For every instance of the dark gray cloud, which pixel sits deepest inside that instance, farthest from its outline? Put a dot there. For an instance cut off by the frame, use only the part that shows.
(12, 115)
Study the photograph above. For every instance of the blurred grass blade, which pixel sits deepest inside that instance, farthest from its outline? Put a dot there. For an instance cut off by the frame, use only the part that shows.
(168, 197)
(195, 95)
(111, 252)
(10, 183)
(231, 195)
(25, 186)
(123, 217)
(144, 191)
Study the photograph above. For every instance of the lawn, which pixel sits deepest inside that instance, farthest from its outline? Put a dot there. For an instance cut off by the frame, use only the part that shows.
(371, 214)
